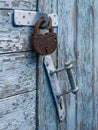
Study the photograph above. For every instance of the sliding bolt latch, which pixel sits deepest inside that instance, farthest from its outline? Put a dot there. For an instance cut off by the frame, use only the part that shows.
(68, 67)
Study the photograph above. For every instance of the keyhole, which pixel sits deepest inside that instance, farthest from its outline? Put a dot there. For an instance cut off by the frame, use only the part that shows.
(46, 49)
(60, 105)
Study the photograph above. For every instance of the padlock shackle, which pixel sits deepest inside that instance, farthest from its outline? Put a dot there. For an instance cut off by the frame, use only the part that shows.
(38, 24)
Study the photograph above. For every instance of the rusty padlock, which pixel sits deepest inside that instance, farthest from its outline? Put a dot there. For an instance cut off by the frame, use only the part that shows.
(43, 44)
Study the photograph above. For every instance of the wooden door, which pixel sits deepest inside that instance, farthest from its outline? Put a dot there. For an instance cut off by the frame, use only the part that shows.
(77, 38)
(26, 101)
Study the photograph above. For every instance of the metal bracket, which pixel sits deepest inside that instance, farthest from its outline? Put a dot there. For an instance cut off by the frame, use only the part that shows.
(68, 67)
(54, 83)
(29, 18)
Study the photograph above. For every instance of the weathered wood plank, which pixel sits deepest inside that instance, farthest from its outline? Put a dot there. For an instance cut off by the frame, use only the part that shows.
(13, 38)
(47, 114)
(18, 112)
(66, 52)
(82, 113)
(17, 73)
(47, 111)
(85, 65)
(95, 62)
(18, 4)
(17, 70)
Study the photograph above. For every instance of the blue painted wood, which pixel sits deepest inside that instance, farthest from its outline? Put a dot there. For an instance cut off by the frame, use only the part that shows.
(17, 112)
(17, 74)
(18, 4)
(77, 42)
(47, 114)
(77, 36)
(85, 74)
(17, 70)
(66, 52)
(13, 38)
(95, 64)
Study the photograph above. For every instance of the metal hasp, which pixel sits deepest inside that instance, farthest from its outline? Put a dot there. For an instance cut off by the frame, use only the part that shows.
(29, 18)
(54, 83)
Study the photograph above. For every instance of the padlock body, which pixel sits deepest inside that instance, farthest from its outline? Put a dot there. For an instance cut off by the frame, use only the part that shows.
(44, 44)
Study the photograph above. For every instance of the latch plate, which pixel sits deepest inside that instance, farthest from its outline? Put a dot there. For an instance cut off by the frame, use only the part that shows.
(54, 83)
(29, 18)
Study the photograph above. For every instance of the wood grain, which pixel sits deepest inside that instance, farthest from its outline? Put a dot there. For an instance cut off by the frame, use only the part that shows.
(77, 38)
(17, 73)
(13, 38)
(95, 64)
(46, 109)
(18, 4)
(85, 65)
(18, 112)
(66, 53)
(17, 70)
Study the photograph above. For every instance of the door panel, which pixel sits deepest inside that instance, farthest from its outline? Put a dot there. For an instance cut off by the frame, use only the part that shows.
(85, 64)
(77, 37)
(66, 43)
(67, 53)
(17, 70)
(26, 100)
(17, 73)
(48, 119)
(13, 38)
(95, 61)
(18, 112)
